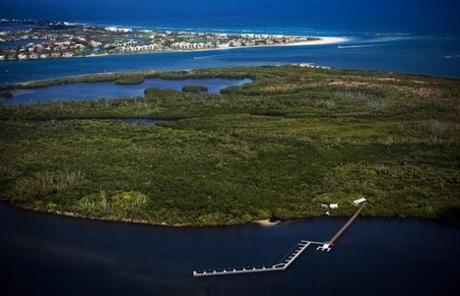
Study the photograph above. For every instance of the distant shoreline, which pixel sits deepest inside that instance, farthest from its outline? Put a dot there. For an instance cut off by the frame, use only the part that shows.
(322, 40)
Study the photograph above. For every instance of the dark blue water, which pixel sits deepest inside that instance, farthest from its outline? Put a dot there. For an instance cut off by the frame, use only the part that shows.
(432, 55)
(50, 255)
(110, 90)
(352, 15)
(413, 36)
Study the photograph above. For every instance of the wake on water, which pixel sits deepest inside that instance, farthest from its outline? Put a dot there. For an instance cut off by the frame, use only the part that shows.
(359, 45)
(377, 42)
(211, 56)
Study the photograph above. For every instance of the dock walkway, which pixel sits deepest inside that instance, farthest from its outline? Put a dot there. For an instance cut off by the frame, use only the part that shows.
(288, 259)
(282, 265)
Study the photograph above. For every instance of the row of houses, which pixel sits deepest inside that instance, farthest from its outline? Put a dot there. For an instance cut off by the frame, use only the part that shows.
(193, 45)
(175, 45)
(35, 56)
(141, 48)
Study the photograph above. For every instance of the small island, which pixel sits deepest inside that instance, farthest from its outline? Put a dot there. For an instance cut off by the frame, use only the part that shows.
(194, 89)
(296, 142)
(49, 39)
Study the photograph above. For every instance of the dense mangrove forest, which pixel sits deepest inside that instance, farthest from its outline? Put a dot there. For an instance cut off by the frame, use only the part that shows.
(283, 146)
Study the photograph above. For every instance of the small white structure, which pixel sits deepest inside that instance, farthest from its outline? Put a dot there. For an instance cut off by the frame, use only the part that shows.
(333, 206)
(359, 201)
(325, 247)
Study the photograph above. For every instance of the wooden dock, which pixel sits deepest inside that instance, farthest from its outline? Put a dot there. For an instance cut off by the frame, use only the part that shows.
(282, 265)
(288, 259)
(346, 225)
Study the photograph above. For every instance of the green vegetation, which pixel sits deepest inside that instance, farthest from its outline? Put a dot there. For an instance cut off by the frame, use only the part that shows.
(280, 147)
(133, 79)
(194, 88)
(106, 77)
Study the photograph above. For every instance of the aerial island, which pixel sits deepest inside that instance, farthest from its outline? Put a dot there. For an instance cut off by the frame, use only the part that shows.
(49, 39)
(295, 142)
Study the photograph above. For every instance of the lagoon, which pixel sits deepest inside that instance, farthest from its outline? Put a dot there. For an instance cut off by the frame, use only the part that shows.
(110, 90)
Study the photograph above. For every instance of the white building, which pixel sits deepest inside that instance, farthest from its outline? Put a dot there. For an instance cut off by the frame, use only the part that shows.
(333, 206)
(94, 43)
(116, 29)
(359, 201)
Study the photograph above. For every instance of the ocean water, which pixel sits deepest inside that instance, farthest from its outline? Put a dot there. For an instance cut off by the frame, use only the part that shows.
(421, 37)
(430, 16)
(409, 53)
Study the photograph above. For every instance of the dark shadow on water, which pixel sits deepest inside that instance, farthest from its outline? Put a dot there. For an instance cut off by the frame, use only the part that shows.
(48, 255)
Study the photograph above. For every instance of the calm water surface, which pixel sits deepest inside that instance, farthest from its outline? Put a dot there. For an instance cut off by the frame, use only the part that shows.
(51, 255)
(411, 53)
(97, 90)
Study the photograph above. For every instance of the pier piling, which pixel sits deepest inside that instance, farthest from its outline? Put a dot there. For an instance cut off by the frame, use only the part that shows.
(289, 258)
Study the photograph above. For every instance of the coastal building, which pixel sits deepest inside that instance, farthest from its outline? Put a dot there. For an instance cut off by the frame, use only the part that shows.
(359, 201)
(234, 43)
(192, 45)
(334, 206)
(118, 30)
(79, 46)
(94, 43)
(87, 40)
(141, 48)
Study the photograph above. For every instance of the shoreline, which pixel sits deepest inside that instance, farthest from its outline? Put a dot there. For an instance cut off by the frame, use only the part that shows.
(434, 206)
(323, 40)
(266, 222)
(260, 223)
(109, 77)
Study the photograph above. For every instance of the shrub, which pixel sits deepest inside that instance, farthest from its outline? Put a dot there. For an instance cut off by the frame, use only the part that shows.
(130, 80)
(194, 88)
(127, 204)
(231, 90)
(42, 184)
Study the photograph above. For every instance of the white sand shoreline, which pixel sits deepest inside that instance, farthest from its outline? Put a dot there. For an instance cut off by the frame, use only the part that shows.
(323, 40)
(266, 222)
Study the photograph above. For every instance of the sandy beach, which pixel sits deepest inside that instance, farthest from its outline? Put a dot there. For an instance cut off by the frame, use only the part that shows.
(323, 40)
(267, 222)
